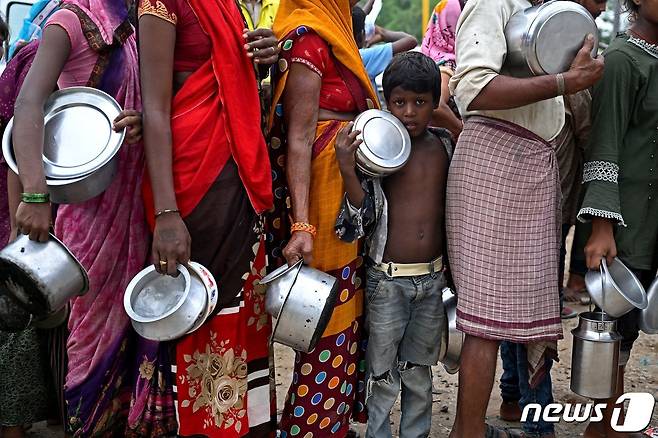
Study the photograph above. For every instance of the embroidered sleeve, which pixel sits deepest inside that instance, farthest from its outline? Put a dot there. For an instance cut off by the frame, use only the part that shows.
(159, 9)
(310, 50)
(354, 223)
(601, 171)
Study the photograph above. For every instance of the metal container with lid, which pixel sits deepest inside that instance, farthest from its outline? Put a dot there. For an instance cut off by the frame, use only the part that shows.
(595, 356)
(386, 143)
(545, 39)
(80, 148)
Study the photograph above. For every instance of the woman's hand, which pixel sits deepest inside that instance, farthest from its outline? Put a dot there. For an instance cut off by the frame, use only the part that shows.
(33, 219)
(132, 120)
(262, 46)
(171, 243)
(300, 246)
(601, 243)
(346, 145)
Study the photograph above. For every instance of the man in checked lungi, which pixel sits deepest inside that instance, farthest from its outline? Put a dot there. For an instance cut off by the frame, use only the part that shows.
(503, 206)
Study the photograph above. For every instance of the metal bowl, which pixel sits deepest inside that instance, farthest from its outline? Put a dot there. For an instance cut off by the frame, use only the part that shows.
(450, 355)
(73, 117)
(43, 277)
(386, 143)
(649, 316)
(162, 307)
(545, 39)
(614, 289)
(302, 300)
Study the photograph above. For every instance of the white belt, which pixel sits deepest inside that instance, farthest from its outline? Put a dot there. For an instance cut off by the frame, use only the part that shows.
(410, 269)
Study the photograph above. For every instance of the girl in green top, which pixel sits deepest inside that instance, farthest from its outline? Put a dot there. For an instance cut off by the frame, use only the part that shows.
(621, 169)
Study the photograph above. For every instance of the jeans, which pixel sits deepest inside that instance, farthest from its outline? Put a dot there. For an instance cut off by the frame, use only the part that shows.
(404, 318)
(514, 386)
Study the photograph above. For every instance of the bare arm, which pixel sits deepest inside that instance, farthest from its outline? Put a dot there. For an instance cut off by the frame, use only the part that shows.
(346, 145)
(14, 190)
(443, 116)
(402, 42)
(367, 8)
(41, 80)
(171, 240)
(301, 102)
(506, 92)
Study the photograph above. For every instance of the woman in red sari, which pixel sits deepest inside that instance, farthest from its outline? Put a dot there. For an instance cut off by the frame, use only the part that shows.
(209, 182)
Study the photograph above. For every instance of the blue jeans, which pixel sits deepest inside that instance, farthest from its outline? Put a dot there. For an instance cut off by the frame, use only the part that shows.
(404, 318)
(514, 386)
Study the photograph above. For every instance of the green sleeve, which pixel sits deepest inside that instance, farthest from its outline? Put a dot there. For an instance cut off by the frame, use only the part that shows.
(612, 106)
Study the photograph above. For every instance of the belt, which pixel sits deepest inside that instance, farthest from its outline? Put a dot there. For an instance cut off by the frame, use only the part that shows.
(410, 269)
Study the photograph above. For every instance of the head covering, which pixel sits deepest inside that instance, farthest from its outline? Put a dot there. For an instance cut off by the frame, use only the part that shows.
(332, 21)
(439, 39)
(33, 24)
(108, 15)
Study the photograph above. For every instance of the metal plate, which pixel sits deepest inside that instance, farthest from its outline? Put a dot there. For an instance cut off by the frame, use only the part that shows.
(559, 32)
(386, 142)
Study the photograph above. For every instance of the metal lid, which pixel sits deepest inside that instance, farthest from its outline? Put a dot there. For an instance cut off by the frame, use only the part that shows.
(386, 142)
(78, 134)
(151, 296)
(557, 34)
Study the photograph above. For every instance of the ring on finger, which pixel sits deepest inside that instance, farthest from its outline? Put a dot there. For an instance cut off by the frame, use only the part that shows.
(163, 263)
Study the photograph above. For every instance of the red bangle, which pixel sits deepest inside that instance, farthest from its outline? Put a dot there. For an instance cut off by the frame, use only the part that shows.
(303, 226)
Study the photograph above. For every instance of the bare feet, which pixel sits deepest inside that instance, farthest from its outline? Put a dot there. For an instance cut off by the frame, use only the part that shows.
(510, 411)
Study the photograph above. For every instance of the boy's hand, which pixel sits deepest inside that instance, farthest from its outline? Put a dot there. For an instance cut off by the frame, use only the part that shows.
(346, 145)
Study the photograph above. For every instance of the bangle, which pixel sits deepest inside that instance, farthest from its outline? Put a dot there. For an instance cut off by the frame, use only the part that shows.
(561, 88)
(303, 226)
(166, 211)
(35, 198)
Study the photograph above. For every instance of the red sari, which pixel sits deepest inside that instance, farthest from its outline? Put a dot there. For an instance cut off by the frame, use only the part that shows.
(222, 183)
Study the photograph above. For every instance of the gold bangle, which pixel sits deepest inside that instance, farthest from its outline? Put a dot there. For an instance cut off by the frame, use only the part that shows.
(304, 226)
(166, 211)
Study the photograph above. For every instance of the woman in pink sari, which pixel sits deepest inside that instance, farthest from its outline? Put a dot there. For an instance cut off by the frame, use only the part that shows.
(108, 391)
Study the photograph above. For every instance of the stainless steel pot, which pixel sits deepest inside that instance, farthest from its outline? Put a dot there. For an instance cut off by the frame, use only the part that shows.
(302, 300)
(614, 289)
(386, 143)
(595, 356)
(164, 308)
(53, 320)
(545, 39)
(202, 278)
(68, 190)
(450, 355)
(43, 277)
(649, 316)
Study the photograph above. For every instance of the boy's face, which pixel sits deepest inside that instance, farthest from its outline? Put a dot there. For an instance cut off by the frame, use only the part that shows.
(413, 109)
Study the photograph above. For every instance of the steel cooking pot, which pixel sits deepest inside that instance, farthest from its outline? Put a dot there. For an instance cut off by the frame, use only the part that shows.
(81, 148)
(615, 289)
(302, 300)
(649, 316)
(545, 39)
(202, 278)
(595, 356)
(386, 143)
(43, 277)
(162, 307)
(454, 339)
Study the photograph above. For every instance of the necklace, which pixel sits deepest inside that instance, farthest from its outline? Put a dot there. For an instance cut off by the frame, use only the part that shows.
(651, 49)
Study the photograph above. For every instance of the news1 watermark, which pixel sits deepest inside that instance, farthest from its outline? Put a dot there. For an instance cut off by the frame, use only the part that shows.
(637, 418)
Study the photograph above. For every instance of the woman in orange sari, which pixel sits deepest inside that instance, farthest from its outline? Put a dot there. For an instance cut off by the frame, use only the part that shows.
(320, 86)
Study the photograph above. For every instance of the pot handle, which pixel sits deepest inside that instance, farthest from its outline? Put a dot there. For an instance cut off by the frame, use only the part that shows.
(603, 269)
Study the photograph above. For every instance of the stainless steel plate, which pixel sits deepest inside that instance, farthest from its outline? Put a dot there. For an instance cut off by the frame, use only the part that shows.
(78, 134)
(386, 143)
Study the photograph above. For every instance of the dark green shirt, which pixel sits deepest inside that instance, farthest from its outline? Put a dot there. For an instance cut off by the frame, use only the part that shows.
(621, 168)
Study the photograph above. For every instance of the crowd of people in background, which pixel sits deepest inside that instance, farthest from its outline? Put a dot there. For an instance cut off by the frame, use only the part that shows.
(240, 155)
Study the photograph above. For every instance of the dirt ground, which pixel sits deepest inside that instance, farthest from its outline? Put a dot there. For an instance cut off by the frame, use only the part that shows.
(641, 376)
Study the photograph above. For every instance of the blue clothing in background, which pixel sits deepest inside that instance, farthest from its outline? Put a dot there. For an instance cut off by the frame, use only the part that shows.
(376, 59)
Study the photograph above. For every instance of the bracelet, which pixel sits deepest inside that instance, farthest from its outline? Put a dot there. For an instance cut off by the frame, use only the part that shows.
(303, 226)
(35, 198)
(166, 211)
(561, 88)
